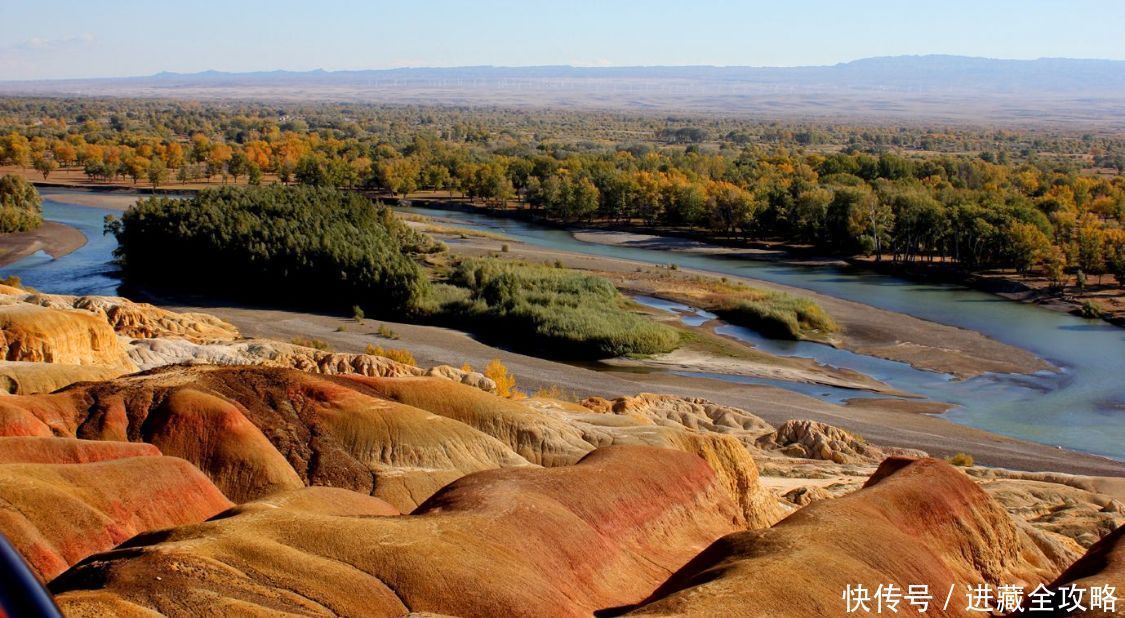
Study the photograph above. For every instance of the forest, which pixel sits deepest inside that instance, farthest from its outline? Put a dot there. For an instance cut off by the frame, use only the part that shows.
(1042, 200)
(324, 248)
(294, 245)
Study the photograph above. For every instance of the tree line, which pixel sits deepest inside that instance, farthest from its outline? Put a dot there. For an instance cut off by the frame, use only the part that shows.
(1010, 206)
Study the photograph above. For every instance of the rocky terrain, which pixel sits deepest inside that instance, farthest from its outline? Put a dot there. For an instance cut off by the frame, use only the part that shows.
(154, 461)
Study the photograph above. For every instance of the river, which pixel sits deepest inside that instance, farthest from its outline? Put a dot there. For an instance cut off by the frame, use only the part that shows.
(1081, 407)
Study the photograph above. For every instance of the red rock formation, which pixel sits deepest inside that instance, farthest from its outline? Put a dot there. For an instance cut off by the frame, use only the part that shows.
(1103, 565)
(35, 449)
(57, 514)
(516, 542)
(915, 522)
(32, 333)
(258, 430)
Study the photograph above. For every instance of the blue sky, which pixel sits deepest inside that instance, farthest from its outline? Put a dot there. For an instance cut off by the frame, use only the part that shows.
(66, 38)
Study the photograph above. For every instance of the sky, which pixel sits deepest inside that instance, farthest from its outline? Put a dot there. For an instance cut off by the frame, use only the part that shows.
(74, 39)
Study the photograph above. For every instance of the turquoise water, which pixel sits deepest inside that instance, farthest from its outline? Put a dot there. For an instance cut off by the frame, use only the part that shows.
(1080, 407)
(89, 270)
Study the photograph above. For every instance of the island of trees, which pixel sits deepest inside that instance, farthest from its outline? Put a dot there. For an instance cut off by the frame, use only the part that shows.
(325, 248)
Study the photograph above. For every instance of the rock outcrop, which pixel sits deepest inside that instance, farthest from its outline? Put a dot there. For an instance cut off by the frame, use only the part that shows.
(49, 341)
(35, 334)
(26, 378)
(517, 542)
(1081, 517)
(134, 320)
(1101, 567)
(255, 430)
(915, 522)
(154, 353)
(693, 413)
(56, 514)
(813, 440)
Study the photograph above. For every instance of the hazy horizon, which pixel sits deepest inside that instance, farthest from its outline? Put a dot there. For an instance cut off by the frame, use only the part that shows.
(129, 38)
(570, 66)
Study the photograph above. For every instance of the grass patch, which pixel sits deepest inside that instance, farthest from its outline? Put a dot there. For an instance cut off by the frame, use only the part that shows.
(386, 332)
(309, 342)
(777, 315)
(550, 311)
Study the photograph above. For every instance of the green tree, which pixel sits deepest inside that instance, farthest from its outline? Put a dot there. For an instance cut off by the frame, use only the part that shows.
(872, 221)
(45, 165)
(157, 172)
(20, 205)
(238, 165)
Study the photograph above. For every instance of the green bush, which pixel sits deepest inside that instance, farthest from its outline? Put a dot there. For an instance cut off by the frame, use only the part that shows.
(778, 315)
(21, 208)
(293, 245)
(551, 311)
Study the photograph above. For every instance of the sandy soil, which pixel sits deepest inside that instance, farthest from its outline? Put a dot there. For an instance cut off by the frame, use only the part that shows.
(771, 367)
(76, 177)
(901, 423)
(109, 199)
(56, 239)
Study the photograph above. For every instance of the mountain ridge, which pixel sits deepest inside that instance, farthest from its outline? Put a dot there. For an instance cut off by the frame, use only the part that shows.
(927, 87)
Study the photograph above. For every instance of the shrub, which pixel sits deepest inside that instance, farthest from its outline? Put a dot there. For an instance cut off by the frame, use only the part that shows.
(504, 248)
(556, 312)
(554, 391)
(1091, 311)
(357, 313)
(295, 245)
(498, 373)
(777, 315)
(961, 459)
(21, 208)
(396, 354)
(310, 342)
(385, 332)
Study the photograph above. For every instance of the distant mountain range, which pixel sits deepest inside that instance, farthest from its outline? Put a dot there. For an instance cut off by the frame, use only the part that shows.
(922, 87)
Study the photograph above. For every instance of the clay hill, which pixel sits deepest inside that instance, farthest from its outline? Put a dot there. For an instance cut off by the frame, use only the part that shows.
(159, 462)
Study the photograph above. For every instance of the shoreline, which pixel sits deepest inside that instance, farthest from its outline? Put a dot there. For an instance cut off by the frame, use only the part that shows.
(866, 330)
(999, 285)
(898, 424)
(901, 423)
(53, 238)
(119, 197)
(92, 197)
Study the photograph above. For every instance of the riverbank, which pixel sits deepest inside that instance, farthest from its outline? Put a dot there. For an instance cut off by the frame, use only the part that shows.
(865, 329)
(897, 422)
(104, 197)
(1108, 299)
(53, 238)
(883, 424)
